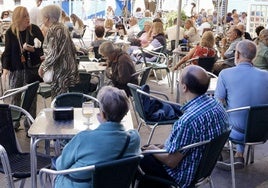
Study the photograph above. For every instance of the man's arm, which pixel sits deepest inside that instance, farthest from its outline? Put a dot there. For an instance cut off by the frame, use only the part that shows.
(169, 159)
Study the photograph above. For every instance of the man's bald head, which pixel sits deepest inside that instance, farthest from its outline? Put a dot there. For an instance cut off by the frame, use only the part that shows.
(196, 79)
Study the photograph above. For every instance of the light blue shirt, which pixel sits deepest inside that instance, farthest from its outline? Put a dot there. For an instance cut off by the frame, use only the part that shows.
(243, 85)
(94, 146)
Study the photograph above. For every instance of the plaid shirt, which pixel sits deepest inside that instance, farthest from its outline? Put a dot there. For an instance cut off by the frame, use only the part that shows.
(204, 118)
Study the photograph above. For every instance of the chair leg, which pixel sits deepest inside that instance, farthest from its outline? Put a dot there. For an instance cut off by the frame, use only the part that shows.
(151, 134)
(22, 182)
(211, 183)
(232, 163)
(252, 155)
(44, 102)
(248, 153)
(155, 75)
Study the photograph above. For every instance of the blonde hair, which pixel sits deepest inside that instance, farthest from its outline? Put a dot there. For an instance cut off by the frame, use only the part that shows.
(75, 19)
(17, 17)
(263, 35)
(207, 39)
(191, 24)
(109, 23)
(158, 28)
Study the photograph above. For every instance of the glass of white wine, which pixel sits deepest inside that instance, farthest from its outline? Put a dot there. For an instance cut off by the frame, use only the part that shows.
(91, 55)
(88, 111)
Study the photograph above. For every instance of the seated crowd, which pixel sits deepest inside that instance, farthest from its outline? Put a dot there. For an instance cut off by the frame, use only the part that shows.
(238, 71)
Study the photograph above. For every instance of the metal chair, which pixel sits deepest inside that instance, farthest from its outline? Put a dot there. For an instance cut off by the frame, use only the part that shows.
(139, 107)
(72, 99)
(85, 86)
(15, 164)
(160, 62)
(44, 91)
(205, 62)
(117, 173)
(29, 92)
(143, 75)
(210, 155)
(256, 132)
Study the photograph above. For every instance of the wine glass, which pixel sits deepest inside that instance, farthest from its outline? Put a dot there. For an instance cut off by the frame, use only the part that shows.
(88, 111)
(91, 55)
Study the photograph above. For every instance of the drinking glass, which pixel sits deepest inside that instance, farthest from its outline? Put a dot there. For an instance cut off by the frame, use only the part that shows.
(88, 111)
(91, 55)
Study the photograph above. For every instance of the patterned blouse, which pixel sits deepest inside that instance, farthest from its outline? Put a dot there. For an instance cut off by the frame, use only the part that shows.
(60, 55)
(204, 118)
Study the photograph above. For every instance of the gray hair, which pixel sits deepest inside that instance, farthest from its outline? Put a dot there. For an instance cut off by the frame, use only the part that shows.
(53, 12)
(106, 48)
(113, 103)
(263, 35)
(247, 49)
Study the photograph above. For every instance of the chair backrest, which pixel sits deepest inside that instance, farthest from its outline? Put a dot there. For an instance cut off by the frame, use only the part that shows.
(207, 63)
(26, 99)
(29, 95)
(7, 134)
(117, 173)
(137, 100)
(210, 156)
(145, 75)
(257, 124)
(84, 85)
(72, 99)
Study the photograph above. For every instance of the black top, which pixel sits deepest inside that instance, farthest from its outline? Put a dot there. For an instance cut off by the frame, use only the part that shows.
(11, 57)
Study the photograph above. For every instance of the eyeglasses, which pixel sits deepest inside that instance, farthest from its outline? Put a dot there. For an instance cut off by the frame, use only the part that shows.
(6, 14)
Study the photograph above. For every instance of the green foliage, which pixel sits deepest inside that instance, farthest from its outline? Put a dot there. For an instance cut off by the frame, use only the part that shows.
(170, 16)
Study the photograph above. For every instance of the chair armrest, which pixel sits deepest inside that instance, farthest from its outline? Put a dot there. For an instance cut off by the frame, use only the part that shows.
(238, 109)
(19, 109)
(157, 151)
(46, 171)
(12, 92)
(166, 99)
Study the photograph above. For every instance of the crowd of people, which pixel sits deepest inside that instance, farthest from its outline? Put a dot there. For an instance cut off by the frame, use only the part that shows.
(245, 63)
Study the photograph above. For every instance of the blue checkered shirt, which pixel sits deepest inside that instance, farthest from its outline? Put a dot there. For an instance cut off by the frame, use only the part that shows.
(204, 118)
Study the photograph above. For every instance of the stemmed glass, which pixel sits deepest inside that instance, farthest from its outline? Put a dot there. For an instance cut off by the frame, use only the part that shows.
(88, 111)
(91, 55)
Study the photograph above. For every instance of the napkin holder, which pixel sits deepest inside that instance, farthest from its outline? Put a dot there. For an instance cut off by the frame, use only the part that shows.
(63, 114)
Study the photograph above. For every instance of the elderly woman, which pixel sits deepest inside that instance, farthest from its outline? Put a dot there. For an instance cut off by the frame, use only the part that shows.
(102, 144)
(60, 52)
(120, 66)
(21, 58)
(261, 59)
(204, 49)
(191, 32)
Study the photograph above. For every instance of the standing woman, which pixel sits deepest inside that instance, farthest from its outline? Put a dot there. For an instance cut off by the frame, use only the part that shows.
(78, 26)
(60, 53)
(21, 58)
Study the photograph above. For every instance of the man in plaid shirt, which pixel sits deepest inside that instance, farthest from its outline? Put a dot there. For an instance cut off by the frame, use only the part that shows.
(204, 118)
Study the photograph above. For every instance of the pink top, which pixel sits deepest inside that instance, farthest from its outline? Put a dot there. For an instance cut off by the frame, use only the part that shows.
(144, 39)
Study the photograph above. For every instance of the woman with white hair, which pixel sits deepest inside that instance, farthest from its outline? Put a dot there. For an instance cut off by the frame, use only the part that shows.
(60, 52)
(105, 143)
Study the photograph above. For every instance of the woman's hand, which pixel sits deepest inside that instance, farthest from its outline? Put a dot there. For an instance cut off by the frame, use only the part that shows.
(41, 72)
(28, 47)
(5, 73)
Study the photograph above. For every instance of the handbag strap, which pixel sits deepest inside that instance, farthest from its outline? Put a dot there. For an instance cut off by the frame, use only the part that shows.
(125, 147)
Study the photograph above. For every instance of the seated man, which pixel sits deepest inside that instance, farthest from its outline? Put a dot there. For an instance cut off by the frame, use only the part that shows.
(120, 66)
(99, 32)
(243, 85)
(234, 36)
(202, 116)
(102, 144)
